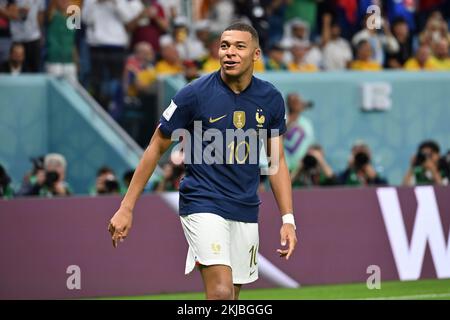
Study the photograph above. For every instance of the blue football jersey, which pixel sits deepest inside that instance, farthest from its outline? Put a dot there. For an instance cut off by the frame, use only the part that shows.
(227, 188)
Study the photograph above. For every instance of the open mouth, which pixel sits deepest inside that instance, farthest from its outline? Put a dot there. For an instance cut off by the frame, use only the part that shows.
(231, 64)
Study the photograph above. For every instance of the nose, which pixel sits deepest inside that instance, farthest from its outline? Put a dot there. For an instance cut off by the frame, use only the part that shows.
(231, 51)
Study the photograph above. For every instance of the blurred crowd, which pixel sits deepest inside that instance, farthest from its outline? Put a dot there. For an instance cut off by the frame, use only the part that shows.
(118, 48)
(305, 158)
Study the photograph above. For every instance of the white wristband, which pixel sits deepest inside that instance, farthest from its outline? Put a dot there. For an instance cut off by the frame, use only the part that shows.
(288, 218)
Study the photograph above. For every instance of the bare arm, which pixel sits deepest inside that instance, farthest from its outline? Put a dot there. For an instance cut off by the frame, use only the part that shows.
(120, 223)
(282, 190)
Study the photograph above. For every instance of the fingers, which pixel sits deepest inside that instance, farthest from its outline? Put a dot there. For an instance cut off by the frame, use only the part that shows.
(283, 239)
(290, 239)
(282, 253)
(291, 248)
(117, 235)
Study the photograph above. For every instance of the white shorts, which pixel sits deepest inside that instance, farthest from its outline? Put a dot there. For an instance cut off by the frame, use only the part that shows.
(214, 240)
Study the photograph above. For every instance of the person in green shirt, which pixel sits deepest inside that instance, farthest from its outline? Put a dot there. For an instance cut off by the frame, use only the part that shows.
(60, 42)
(425, 167)
(314, 170)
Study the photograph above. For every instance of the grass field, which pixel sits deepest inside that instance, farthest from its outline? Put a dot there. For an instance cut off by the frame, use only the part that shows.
(392, 290)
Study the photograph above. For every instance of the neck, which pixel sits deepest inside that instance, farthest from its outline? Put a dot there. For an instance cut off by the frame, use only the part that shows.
(237, 84)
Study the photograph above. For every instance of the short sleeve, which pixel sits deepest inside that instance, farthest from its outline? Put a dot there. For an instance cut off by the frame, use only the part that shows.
(180, 113)
(278, 119)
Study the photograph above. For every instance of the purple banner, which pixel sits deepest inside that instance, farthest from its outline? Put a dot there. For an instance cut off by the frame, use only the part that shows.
(403, 231)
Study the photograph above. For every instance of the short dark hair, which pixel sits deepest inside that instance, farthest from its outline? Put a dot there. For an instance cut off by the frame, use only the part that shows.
(240, 26)
(433, 145)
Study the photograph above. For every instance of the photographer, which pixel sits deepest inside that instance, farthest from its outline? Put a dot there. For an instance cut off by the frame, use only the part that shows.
(426, 166)
(360, 170)
(313, 170)
(106, 182)
(47, 178)
(6, 192)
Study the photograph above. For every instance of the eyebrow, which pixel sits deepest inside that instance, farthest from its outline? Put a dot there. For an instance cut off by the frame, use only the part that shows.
(237, 42)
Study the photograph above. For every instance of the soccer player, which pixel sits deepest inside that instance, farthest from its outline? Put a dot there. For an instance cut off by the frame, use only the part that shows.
(218, 203)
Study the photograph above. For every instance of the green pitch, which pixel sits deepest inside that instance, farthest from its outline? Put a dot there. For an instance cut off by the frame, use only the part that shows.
(421, 290)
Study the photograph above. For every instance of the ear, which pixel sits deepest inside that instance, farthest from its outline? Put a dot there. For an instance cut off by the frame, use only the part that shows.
(256, 54)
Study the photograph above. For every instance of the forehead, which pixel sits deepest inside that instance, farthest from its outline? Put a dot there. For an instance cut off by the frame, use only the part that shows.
(236, 36)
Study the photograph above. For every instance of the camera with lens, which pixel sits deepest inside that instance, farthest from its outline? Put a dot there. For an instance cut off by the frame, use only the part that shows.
(111, 185)
(361, 159)
(51, 177)
(421, 157)
(310, 164)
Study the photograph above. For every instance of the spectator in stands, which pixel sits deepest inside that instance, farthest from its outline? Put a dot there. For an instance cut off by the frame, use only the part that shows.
(300, 131)
(435, 30)
(152, 24)
(170, 62)
(295, 29)
(107, 22)
(337, 52)
(181, 39)
(360, 170)
(276, 12)
(381, 41)
(26, 29)
(401, 32)
(313, 170)
(425, 167)
(140, 72)
(8, 11)
(201, 39)
(364, 61)
(15, 64)
(274, 61)
(220, 13)
(191, 70)
(306, 10)
(212, 63)
(422, 60)
(6, 192)
(299, 51)
(441, 55)
(61, 51)
(106, 182)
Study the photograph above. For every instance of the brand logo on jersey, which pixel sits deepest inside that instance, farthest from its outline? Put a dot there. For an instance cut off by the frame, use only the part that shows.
(260, 119)
(211, 120)
(215, 248)
(239, 119)
(252, 272)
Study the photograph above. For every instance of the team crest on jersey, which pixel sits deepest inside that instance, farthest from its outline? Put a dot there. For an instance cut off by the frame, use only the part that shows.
(260, 119)
(239, 119)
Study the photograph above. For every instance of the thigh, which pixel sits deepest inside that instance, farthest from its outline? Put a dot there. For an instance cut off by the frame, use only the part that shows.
(244, 252)
(208, 236)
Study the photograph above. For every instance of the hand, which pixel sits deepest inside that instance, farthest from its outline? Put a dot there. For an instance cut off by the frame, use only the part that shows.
(326, 19)
(120, 225)
(60, 188)
(370, 171)
(288, 237)
(316, 154)
(430, 165)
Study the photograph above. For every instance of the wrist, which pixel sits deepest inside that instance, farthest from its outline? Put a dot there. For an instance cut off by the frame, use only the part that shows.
(288, 218)
(126, 207)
